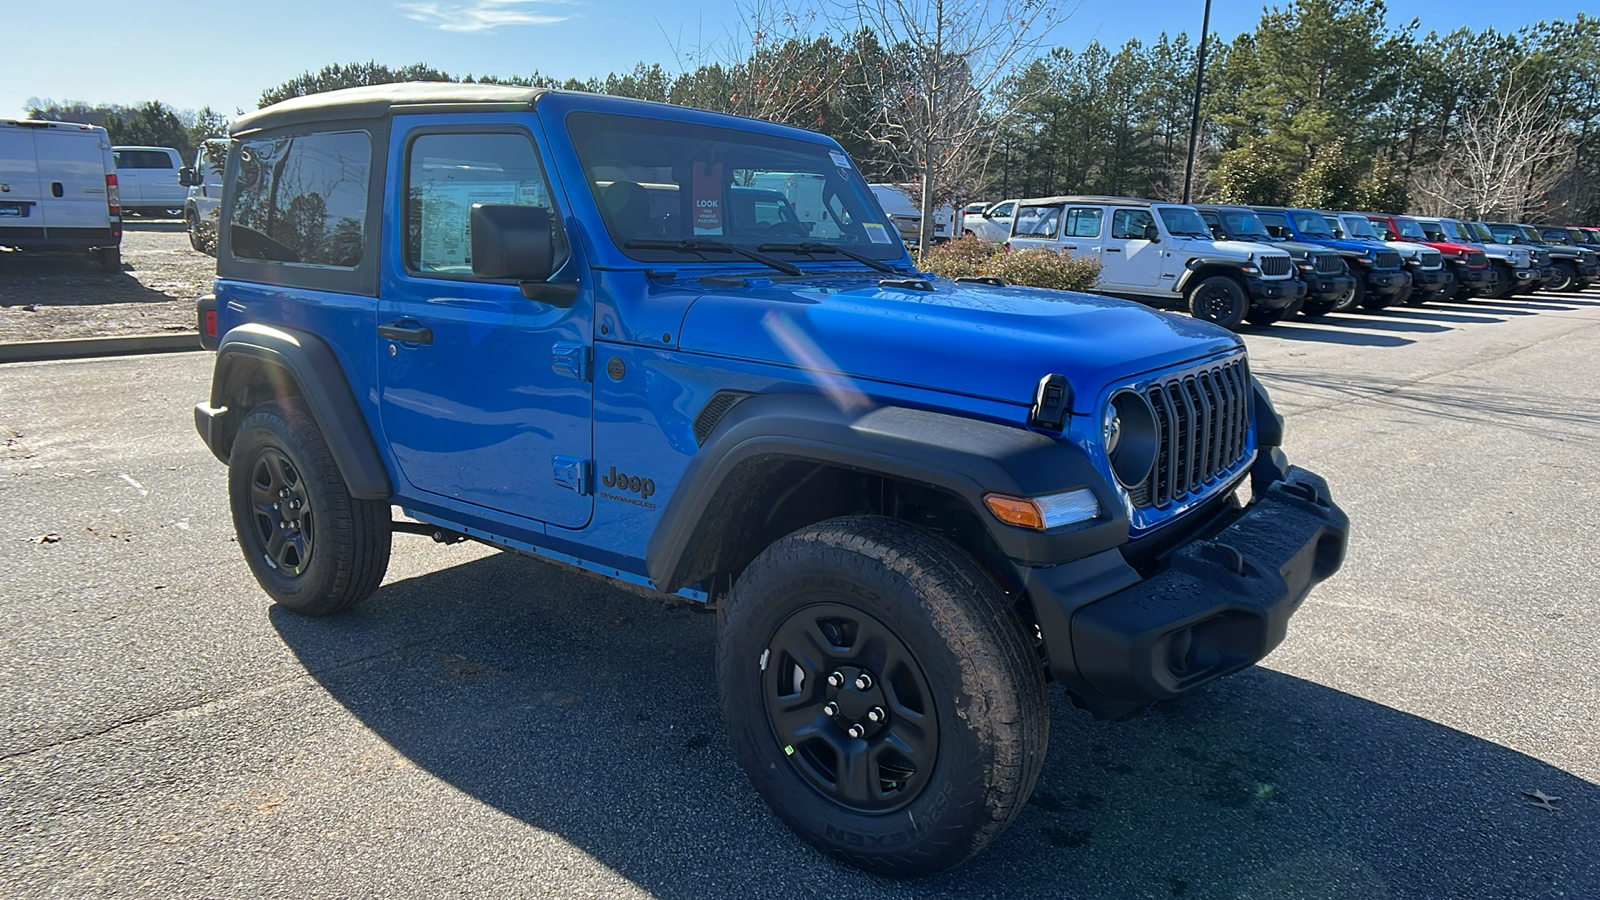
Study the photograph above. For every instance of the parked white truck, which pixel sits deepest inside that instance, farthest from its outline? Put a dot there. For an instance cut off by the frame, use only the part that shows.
(58, 190)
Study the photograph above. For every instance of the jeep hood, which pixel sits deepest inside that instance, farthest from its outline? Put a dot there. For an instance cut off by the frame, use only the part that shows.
(1245, 248)
(978, 340)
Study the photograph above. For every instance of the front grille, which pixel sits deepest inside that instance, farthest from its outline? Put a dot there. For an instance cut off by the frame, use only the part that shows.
(1387, 259)
(1477, 260)
(1431, 259)
(1275, 266)
(1327, 263)
(1202, 431)
(1541, 257)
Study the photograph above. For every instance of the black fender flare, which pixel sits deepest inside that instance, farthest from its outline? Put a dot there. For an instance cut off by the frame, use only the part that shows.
(317, 377)
(1203, 262)
(961, 456)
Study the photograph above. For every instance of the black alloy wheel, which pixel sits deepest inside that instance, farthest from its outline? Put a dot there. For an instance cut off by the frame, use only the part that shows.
(1219, 300)
(1353, 298)
(312, 547)
(1564, 280)
(851, 708)
(1499, 283)
(882, 694)
(285, 528)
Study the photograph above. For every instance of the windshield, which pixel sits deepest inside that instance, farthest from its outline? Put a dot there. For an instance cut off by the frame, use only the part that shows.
(1529, 234)
(1245, 226)
(658, 182)
(1482, 232)
(1555, 236)
(1435, 231)
(1181, 220)
(1507, 234)
(1311, 224)
(1411, 229)
(1358, 226)
(1456, 230)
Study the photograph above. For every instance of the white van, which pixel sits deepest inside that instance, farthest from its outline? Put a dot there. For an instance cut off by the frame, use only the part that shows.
(148, 179)
(903, 204)
(203, 181)
(58, 190)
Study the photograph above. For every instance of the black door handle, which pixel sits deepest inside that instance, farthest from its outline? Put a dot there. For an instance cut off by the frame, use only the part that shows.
(1113, 250)
(406, 333)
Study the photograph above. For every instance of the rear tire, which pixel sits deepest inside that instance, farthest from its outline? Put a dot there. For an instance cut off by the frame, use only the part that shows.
(957, 681)
(1219, 300)
(313, 548)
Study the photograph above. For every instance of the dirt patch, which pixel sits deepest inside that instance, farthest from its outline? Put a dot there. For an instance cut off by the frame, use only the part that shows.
(54, 297)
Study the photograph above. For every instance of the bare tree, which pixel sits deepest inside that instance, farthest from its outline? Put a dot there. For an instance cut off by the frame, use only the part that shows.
(1504, 158)
(928, 71)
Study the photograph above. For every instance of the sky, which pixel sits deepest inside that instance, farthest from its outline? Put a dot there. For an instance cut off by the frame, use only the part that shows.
(190, 54)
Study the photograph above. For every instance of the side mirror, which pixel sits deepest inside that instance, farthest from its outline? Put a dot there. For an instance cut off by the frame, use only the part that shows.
(1152, 233)
(186, 177)
(512, 241)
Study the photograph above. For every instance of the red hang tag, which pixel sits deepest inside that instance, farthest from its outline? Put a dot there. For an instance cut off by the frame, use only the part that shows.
(707, 198)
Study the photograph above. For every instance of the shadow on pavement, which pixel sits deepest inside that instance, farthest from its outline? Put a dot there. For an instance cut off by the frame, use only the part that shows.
(591, 714)
(1320, 332)
(175, 224)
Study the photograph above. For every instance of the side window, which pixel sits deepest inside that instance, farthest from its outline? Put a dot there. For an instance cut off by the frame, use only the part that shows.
(1084, 221)
(1037, 221)
(1128, 224)
(446, 174)
(302, 199)
(1004, 210)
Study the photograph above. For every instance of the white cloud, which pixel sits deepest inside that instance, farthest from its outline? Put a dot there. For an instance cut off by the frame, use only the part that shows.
(482, 15)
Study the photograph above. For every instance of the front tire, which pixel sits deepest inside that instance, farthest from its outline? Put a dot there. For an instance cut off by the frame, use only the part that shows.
(1566, 279)
(313, 548)
(1353, 298)
(1219, 300)
(881, 694)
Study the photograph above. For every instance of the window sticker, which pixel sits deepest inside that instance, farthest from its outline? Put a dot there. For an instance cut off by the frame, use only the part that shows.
(447, 221)
(876, 233)
(707, 198)
(840, 160)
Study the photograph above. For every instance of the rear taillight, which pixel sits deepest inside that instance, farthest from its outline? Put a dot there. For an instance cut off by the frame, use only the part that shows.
(113, 197)
(211, 324)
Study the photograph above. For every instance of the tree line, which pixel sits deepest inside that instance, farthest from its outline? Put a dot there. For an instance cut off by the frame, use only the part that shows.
(1325, 103)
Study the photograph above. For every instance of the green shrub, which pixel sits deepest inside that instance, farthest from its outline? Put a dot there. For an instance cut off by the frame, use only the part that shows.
(959, 259)
(1044, 269)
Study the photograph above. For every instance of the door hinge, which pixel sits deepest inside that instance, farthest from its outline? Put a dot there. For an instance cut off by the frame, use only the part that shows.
(573, 474)
(571, 359)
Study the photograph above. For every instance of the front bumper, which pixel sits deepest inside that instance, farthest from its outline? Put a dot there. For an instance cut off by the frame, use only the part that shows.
(1327, 287)
(1275, 294)
(1432, 281)
(1385, 283)
(1470, 277)
(1118, 641)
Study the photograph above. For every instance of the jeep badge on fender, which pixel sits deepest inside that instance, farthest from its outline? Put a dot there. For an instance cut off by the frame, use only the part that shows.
(841, 444)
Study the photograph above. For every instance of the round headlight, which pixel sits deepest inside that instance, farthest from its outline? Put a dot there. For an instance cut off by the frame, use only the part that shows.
(1130, 437)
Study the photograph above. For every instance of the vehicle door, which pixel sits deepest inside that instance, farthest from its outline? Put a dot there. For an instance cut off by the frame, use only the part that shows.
(1127, 259)
(72, 179)
(997, 221)
(21, 211)
(484, 393)
(129, 183)
(1081, 229)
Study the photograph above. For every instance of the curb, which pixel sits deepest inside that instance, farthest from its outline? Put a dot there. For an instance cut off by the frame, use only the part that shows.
(88, 348)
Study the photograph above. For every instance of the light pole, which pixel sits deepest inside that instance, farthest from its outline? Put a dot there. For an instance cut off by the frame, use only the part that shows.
(1194, 121)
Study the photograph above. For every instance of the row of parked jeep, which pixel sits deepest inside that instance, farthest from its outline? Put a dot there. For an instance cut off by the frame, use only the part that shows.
(1236, 264)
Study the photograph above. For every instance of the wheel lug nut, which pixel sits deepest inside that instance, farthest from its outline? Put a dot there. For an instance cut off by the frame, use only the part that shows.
(832, 709)
(856, 731)
(863, 682)
(835, 680)
(284, 493)
(875, 714)
(283, 525)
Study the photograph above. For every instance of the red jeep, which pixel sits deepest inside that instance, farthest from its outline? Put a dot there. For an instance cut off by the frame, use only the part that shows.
(1469, 261)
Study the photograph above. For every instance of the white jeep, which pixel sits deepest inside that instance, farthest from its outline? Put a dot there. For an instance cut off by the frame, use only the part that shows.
(1161, 253)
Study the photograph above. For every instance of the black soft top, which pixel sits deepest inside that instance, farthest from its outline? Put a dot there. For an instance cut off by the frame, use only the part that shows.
(379, 100)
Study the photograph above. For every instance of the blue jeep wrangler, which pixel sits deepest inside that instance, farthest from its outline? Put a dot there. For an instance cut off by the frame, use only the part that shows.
(1380, 277)
(687, 352)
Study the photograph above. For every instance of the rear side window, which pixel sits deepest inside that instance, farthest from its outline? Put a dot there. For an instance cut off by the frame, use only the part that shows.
(1036, 221)
(1128, 224)
(141, 159)
(302, 199)
(1084, 221)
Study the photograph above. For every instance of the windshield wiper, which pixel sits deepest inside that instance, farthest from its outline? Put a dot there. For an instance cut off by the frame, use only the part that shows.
(699, 246)
(815, 248)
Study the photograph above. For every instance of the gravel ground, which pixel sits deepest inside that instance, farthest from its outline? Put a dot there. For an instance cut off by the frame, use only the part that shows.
(54, 297)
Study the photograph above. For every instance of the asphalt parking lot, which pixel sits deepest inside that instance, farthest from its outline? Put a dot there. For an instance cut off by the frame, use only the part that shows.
(489, 725)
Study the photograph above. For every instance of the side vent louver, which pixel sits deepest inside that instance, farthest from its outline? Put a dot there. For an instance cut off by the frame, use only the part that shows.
(712, 413)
